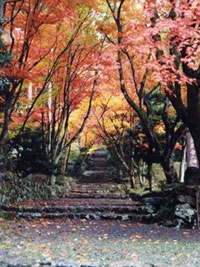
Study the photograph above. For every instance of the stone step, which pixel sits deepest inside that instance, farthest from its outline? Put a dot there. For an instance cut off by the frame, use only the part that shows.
(137, 209)
(94, 193)
(99, 168)
(96, 196)
(97, 186)
(105, 184)
(102, 209)
(102, 192)
(150, 218)
(94, 189)
(95, 179)
(98, 159)
(99, 154)
(99, 163)
(96, 172)
(71, 202)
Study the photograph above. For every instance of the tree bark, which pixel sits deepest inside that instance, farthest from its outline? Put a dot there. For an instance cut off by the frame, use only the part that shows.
(64, 168)
(169, 170)
(150, 175)
(182, 164)
(4, 133)
(141, 172)
(132, 180)
(2, 12)
(7, 114)
(192, 160)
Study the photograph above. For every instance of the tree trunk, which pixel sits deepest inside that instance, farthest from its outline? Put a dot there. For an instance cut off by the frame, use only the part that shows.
(119, 172)
(195, 132)
(52, 179)
(197, 144)
(54, 161)
(30, 93)
(193, 108)
(182, 164)
(6, 122)
(2, 11)
(132, 180)
(65, 161)
(141, 172)
(150, 175)
(192, 160)
(169, 170)
(190, 115)
(4, 133)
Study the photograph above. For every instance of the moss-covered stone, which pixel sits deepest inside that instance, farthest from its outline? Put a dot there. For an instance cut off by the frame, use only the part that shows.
(7, 215)
(15, 189)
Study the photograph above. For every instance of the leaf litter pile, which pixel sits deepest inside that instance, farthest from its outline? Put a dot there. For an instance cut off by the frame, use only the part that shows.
(98, 241)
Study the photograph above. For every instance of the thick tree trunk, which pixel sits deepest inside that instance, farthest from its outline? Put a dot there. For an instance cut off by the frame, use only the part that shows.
(192, 160)
(196, 138)
(193, 99)
(190, 115)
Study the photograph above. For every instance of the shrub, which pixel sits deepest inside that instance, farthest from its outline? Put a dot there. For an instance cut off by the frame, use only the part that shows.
(31, 153)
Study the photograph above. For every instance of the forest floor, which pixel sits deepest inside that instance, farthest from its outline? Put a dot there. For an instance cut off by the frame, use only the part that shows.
(99, 241)
(102, 243)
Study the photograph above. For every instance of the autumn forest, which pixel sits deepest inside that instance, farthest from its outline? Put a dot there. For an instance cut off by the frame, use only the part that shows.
(99, 133)
(123, 74)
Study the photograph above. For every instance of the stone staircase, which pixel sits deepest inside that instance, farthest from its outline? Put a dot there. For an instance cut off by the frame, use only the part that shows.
(98, 191)
(98, 169)
(95, 197)
(82, 208)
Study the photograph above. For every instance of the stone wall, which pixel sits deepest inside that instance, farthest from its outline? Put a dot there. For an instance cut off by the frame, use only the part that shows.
(174, 206)
(15, 189)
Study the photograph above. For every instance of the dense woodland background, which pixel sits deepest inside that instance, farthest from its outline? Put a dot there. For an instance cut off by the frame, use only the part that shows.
(119, 73)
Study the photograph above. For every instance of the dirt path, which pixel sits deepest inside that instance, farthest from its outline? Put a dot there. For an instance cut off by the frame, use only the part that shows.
(54, 239)
(99, 241)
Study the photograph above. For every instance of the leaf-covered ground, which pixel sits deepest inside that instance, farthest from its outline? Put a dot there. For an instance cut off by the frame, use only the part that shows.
(98, 241)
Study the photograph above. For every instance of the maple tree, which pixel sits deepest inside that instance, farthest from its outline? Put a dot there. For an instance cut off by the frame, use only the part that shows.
(123, 142)
(54, 51)
(135, 57)
(57, 72)
(180, 64)
(23, 27)
(70, 91)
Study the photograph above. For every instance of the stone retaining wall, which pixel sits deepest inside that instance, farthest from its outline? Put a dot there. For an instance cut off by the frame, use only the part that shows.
(15, 189)
(175, 206)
